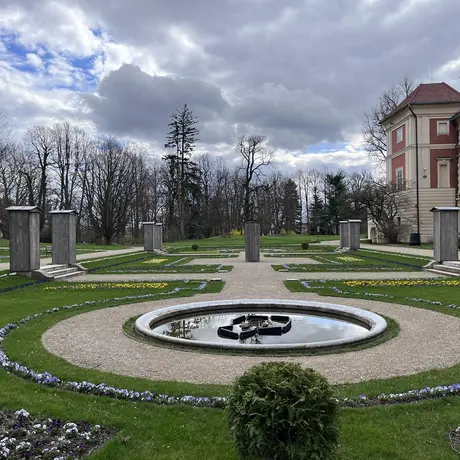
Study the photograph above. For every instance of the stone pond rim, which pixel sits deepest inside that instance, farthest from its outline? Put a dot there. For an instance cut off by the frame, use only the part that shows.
(375, 325)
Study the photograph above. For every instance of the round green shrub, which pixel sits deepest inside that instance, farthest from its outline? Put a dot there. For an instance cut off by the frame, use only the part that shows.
(305, 245)
(280, 411)
(195, 247)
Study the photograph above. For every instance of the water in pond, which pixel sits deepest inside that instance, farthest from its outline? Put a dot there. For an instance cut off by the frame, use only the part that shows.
(303, 328)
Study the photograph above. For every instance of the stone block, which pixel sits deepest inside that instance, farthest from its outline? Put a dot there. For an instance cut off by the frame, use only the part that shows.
(158, 236)
(354, 234)
(149, 232)
(64, 236)
(344, 233)
(24, 224)
(445, 233)
(252, 241)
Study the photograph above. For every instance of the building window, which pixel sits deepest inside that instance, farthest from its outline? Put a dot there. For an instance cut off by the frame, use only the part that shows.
(399, 179)
(399, 135)
(443, 128)
(443, 173)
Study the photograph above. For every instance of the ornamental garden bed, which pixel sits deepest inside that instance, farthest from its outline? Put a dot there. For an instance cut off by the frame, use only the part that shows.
(170, 432)
(24, 436)
(361, 260)
(144, 262)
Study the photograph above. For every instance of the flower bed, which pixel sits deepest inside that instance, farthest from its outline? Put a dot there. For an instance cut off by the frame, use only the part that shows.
(23, 436)
(112, 285)
(392, 254)
(307, 285)
(419, 282)
(321, 268)
(348, 259)
(175, 269)
(155, 261)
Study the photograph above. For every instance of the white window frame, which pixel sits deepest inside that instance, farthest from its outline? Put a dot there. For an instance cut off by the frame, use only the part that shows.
(438, 130)
(399, 180)
(399, 134)
(443, 162)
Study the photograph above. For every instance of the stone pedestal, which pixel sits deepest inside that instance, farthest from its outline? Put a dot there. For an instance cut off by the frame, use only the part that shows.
(24, 224)
(354, 229)
(344, 233)
(149, 231)
(158, 236)
(445, 233)
(64, 236)
(252, 241)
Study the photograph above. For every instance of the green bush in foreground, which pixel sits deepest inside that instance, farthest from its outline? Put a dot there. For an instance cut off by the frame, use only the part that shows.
(279, 411)
(195, 247)
(305, 245)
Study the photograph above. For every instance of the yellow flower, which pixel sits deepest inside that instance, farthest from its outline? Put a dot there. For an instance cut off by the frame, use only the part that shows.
(133, 285)
(399, 283)
(155, 261)
(348, 259)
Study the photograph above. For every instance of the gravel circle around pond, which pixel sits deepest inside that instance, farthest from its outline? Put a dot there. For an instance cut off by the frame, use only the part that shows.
(427, 340)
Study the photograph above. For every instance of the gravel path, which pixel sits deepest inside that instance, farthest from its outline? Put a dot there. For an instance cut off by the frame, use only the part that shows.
(428, 340)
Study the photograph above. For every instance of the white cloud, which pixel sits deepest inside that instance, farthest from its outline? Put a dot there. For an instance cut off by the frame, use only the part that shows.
(34, 60)
(298, 74)
(55, 24)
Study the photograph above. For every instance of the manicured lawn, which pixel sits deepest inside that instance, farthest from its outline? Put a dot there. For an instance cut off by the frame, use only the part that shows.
(209, 251)
(361, 260)
(144, 262)
(436, 294)
(265, 241)
(146, 431)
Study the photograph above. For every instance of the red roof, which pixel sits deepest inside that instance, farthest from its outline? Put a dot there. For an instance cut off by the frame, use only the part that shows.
(428, 93)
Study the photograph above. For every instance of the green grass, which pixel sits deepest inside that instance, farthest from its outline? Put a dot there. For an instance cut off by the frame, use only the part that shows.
(400, 294)
(82, 248)
(12, 280)
(361, 260)
(139, 263)
(265, 241)
(396, 432)
(215, 251)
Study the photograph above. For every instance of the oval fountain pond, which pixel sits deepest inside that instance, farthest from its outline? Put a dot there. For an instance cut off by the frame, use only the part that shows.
(268, 325)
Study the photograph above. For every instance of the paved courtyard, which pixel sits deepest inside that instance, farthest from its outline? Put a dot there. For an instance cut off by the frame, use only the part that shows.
(427, 340)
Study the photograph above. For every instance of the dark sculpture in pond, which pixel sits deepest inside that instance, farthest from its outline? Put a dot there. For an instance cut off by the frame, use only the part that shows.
(247, 326)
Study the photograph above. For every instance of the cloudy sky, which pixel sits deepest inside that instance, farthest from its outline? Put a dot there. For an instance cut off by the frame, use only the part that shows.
(300, 72)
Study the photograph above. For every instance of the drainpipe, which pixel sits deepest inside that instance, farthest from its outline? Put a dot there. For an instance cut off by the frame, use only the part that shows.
(417, 191)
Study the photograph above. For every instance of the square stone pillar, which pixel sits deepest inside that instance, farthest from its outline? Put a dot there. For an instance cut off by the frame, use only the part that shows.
(158, 236)
(344, 233)
(149, 233)
(24, 224)
(252, 241)
(445, 233)
(354, 234)
(64, 236)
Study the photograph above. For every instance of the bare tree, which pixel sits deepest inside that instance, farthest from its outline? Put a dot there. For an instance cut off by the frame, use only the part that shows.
(39, 144)
(387, 209)
(373, 133)
(71, 148)
(109, 192)
(255, 154)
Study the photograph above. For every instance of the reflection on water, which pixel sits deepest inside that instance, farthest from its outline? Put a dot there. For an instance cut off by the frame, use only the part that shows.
(305, 328)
